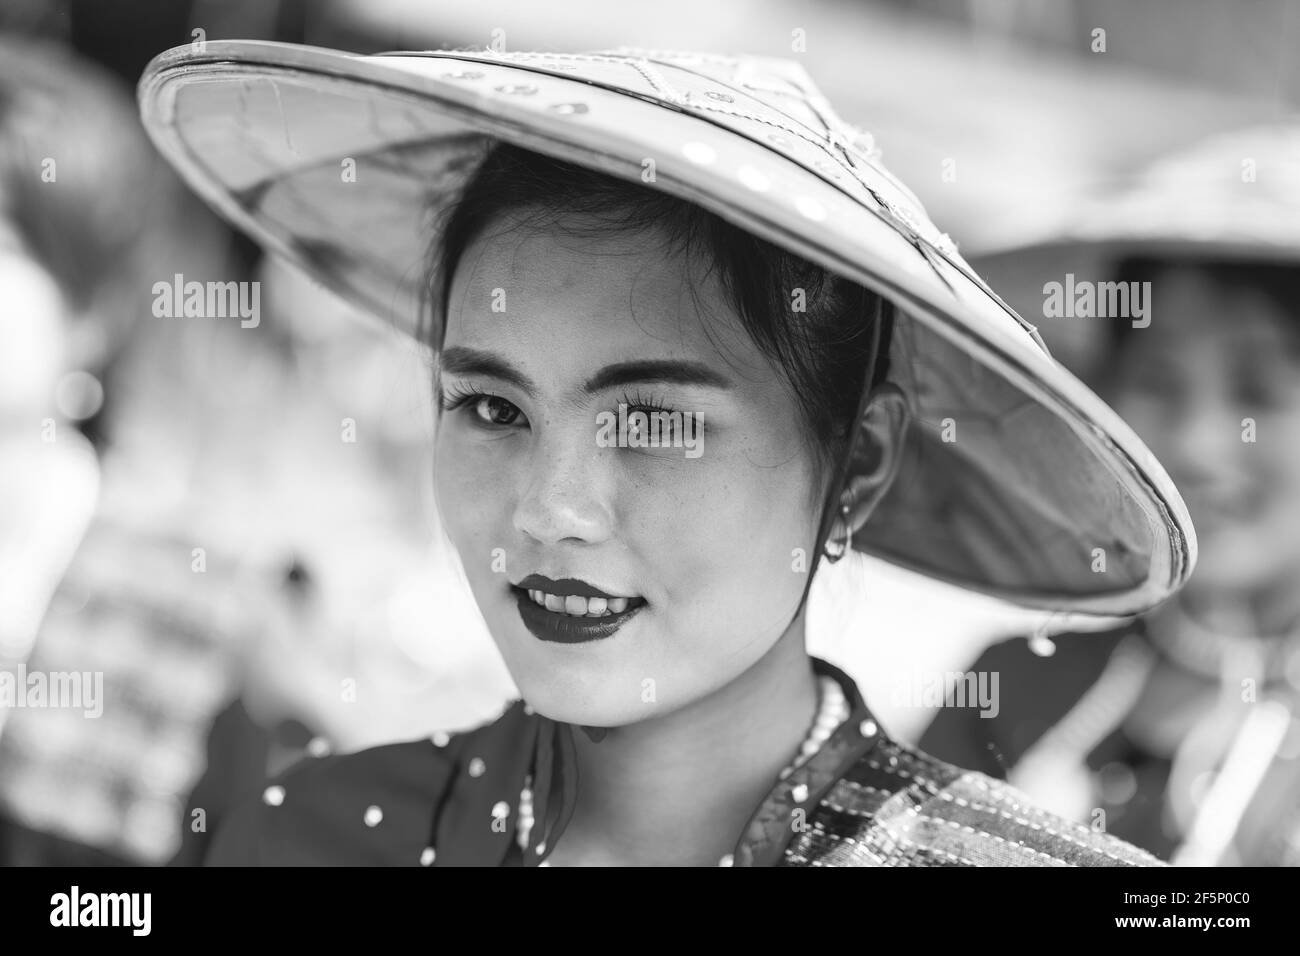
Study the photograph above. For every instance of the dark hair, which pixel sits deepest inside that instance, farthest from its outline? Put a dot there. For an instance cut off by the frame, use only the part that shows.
(1278, 282)
(824, 352)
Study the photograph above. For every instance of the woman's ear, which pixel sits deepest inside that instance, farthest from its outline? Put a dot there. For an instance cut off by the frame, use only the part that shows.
(877, 455)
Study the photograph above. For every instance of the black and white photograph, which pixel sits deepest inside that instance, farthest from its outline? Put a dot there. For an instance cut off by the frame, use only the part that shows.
(755, 433)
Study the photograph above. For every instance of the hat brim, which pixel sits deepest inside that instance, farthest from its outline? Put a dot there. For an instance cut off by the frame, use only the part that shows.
(1017, 481)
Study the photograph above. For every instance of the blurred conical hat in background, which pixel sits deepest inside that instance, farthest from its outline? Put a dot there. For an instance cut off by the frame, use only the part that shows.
(1233, 197)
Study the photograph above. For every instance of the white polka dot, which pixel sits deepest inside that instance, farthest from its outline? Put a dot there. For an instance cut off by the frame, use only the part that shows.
(541, 848)
(318, 747)
(811, 208)
(701, 153)
(374, 816)
(441, 739)
(545, 863)
(799, 793)
(727, 860)
(500, 809)
(753, 179)
(427, 856)
(477, 767)
(868, 728)
(273, 796)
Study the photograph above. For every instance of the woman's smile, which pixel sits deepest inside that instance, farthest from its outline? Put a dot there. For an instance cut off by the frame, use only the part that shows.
(570, 610)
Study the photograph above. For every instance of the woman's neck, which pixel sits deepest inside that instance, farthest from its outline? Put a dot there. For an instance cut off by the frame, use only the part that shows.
(678, 789)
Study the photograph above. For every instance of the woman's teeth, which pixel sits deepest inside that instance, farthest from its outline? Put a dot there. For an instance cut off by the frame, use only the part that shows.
(576, 606)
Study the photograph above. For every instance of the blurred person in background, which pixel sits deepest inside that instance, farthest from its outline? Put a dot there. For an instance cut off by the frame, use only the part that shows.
(65, 242)
(176, 539)
(88, 217)
(1179, 732)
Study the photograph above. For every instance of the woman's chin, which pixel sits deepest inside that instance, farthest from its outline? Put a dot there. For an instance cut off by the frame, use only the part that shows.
(563, 708)
(595, 697)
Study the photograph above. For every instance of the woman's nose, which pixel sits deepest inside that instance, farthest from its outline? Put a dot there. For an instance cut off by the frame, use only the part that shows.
(567, 495)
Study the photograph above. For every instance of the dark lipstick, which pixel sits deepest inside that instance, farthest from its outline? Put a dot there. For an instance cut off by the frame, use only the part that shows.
(566, 628)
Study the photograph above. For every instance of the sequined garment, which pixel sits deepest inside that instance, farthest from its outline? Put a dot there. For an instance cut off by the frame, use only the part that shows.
(454, 800)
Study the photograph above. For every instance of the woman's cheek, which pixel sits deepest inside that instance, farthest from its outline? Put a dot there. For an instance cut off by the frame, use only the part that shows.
(736, 550)
(469, 484)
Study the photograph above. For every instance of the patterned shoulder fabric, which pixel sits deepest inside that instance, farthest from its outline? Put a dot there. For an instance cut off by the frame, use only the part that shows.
(900, 807)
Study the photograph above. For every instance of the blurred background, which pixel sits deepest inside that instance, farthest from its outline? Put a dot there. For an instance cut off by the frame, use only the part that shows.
(184, 507)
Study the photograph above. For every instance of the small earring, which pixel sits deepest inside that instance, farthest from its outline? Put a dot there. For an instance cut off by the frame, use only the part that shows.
(835, 555)
(848, 539)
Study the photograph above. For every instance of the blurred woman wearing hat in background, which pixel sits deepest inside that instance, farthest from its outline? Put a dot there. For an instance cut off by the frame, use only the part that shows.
(162, 537)
(1181, 732)
(76, 258)
(701, 242)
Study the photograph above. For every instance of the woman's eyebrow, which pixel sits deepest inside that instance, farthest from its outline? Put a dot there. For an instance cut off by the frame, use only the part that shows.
(666, 371)
(466, 361)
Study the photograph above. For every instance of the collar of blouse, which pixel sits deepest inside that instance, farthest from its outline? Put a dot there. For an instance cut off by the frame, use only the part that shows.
(518, 775)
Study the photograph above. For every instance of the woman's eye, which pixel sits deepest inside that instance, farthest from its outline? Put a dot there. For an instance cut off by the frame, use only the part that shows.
(654, 423)
(494, 410)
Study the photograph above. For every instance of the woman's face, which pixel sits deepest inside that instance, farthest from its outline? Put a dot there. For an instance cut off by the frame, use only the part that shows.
(702, 550)
(1211, 363)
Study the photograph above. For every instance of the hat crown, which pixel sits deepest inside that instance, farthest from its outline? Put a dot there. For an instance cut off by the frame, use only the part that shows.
(772, 100)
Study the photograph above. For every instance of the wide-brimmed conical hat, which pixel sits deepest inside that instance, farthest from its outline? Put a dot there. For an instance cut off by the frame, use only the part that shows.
(1014, 474)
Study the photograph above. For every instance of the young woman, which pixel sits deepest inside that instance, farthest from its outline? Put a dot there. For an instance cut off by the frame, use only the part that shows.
(1183, 730)
(689, 337)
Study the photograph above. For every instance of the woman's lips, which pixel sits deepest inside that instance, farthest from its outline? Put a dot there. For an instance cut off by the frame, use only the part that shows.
(565, 628)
